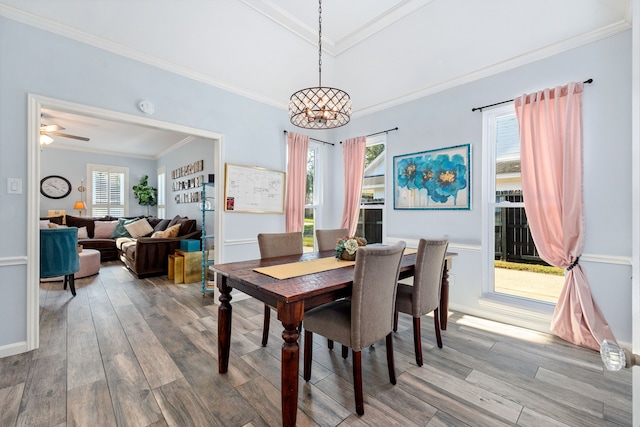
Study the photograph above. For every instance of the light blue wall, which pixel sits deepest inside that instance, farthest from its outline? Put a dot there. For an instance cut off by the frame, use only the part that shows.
(253, 136)
(73, 166)
(75, 72)
(198, 149)
(445, 119)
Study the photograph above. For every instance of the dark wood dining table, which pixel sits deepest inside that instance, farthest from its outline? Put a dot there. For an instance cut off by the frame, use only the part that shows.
(291, 297)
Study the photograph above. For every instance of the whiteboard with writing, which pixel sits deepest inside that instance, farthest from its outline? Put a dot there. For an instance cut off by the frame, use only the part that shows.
(253, 189)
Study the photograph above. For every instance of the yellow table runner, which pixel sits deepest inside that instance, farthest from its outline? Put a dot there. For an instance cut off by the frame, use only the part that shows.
(301, 268)
(295, 269)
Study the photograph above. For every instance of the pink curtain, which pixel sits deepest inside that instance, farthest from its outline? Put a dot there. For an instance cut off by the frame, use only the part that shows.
(353, 151)
(550, 124)
(297, 147)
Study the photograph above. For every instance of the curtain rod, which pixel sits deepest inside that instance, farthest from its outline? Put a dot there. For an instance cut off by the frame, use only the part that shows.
(318, 140)
(510, 100)
(378, 133)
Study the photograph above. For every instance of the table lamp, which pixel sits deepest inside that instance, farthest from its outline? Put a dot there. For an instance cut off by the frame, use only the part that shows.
(79, 206)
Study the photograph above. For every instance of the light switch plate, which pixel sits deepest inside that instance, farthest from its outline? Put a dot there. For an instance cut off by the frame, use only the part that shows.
(14, 186)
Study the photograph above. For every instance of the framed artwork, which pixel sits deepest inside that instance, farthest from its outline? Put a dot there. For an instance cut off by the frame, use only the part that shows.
(435, 179)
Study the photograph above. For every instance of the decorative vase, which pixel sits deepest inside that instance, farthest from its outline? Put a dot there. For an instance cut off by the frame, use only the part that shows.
(348, 257)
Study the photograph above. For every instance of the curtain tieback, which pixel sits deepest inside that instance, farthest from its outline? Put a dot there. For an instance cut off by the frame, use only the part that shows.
(573, 264)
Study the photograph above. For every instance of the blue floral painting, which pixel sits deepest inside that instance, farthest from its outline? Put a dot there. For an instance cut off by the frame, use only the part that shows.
(436, 179)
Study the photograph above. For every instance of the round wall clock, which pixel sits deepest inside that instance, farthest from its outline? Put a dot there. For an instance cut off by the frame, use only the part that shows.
(55, 187)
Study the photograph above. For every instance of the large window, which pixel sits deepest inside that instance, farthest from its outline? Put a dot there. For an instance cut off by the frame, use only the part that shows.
(108, 190)
(312, 198)
(373, 191)
(162, 204)
(515, 268)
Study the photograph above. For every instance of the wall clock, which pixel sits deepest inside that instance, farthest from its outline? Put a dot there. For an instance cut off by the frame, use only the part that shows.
(55, 187)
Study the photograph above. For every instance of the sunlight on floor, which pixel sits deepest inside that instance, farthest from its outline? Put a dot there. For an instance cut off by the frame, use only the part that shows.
(503, 329)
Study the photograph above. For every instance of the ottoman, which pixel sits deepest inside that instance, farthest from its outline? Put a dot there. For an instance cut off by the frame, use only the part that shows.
(89, 265)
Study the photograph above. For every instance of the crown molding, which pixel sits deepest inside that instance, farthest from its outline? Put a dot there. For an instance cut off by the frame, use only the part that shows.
(331, 46)
(118, 49)
(509, 64)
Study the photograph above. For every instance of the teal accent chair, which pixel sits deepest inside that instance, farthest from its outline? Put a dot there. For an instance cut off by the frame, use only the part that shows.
(59, 254)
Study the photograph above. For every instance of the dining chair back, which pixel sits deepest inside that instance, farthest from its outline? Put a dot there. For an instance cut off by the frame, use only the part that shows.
(274, 245)
(328, 239)
(424, 296)
(59, 254)
(280, 244)
(366, 317)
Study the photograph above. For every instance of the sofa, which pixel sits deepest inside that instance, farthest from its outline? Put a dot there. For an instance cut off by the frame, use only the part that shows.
(145, 254)
(149, 256)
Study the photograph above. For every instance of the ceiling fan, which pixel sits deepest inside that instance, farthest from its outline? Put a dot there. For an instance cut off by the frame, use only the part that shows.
(47, 130)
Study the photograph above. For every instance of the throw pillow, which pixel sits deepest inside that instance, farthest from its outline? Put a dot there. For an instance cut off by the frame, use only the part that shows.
(54, 225)
(104, 229)
(157, 234)
(174, 221)
(120, 230)
(44, 223)
(139, 228)
(171, 231)
(82, 233)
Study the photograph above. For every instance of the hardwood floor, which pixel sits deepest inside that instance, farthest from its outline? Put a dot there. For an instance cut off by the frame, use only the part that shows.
(129, 352)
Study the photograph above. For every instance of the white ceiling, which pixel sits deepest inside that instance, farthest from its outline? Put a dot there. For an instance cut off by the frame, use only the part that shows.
(267, 49)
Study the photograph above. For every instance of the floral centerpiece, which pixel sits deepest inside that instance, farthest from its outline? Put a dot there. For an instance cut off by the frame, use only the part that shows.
(347, 246)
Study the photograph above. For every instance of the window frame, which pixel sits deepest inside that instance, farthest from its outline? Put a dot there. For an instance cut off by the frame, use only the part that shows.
(371, 141)
(161, 206)
(110, 169)
(489, 205)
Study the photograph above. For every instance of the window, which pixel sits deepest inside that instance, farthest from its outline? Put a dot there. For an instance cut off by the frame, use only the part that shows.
(108, 190)
(312, 198)
(509, 242)
(373, 191)
(162, 206)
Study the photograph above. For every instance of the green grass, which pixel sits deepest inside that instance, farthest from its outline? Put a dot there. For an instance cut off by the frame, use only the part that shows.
(535, 268)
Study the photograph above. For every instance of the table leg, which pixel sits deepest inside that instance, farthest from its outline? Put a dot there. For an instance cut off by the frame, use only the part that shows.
(291, 316)
(224, 324)
(444, 297)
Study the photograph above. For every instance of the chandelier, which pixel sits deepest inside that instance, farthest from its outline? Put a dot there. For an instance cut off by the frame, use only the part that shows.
(320, 107)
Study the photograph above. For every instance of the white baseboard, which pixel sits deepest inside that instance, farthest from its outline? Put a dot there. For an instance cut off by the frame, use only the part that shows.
(13, 349)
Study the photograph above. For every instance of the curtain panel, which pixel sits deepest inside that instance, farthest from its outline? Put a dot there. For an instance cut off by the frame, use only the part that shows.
(353, 151)
(550, 124)
(297, 149)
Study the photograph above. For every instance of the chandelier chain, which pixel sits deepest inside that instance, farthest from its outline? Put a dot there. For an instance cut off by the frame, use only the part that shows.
(320, 43)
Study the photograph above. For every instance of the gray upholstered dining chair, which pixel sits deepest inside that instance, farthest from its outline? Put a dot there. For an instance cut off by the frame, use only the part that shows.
(365, 318)
(424, 296)
(274, 245)
(328, 239)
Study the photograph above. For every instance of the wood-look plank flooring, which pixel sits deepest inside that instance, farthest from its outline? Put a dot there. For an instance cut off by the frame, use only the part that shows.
(129, 352)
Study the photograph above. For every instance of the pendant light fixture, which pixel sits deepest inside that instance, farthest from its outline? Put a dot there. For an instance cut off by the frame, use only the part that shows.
(320, 107)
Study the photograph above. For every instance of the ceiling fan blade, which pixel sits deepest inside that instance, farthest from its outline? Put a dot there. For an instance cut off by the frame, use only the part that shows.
(50, 128)
(66, 135)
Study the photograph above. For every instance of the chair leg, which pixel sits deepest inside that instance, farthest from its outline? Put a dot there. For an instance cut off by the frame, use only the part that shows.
(390, 364)
(436, 323)
(265, 326)
(357, 381)
(330, 344)
(308, 354)
(345, 351)
(72, 285)
(395, 321)
(417, 340)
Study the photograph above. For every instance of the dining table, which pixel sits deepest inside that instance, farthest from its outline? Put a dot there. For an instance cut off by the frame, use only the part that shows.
(316, 280)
